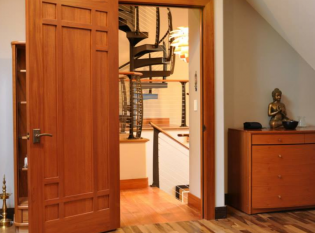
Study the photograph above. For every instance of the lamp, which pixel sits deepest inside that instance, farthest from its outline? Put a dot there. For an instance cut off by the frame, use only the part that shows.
(179, 39)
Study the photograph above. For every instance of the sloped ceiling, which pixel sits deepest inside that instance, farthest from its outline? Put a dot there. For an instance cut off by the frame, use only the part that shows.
(295, 22)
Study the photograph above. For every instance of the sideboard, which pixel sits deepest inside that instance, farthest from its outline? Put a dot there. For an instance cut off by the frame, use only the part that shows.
(271, 170)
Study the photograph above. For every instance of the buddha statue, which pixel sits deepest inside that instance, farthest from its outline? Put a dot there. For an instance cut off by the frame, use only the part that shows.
(276, 110)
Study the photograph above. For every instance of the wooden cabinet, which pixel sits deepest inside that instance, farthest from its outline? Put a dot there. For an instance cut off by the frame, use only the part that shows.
(271, 170)
(20, 136)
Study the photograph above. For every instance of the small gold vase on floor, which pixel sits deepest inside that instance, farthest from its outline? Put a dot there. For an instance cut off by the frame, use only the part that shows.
(5, 222)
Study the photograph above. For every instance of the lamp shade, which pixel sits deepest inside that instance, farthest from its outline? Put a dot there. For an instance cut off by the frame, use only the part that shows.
(180, 40)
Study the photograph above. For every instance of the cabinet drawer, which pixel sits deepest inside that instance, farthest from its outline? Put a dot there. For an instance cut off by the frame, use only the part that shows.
(278, 139)
(266, 197)
(284, 155)
(277, 174)
(309, 138)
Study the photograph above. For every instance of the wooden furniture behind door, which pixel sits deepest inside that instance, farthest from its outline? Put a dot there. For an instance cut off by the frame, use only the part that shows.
(20, 135)
(271, 170)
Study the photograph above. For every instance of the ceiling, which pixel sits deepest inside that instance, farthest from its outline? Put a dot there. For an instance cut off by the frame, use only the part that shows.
(294, 20)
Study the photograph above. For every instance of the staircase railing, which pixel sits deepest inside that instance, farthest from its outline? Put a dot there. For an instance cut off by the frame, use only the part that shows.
(156, 169)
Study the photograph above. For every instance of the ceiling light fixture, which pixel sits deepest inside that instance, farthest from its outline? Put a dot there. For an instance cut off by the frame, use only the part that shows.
(180, 41)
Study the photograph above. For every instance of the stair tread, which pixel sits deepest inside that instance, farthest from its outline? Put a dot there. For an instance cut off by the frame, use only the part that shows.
(150, 62)
(147, 48)
(161, 73)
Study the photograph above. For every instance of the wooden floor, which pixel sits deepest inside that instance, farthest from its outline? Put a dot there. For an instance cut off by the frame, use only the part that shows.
(285, 222)
(152, 205)
(282, 222)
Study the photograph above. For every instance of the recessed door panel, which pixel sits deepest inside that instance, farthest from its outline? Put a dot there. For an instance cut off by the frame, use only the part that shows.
(72, 85)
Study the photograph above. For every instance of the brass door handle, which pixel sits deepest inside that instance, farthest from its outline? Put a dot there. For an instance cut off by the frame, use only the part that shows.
(37, 135)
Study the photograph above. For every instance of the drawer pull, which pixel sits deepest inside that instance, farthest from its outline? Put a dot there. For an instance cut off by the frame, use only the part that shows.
(279, 197)
(280, 156)
(279, 140)
(280, 176)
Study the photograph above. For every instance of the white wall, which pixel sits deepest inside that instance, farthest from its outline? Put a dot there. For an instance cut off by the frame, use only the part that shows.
(173, 165)
(294, 21)
(194, 116)
(12, 27)
(219, 103)
(256, 60)
(148, 134)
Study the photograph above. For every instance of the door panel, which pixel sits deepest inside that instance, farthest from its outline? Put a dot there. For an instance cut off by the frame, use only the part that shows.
(72, 71)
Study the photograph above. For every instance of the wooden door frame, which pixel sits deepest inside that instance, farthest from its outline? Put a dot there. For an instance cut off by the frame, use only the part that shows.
(208, 92)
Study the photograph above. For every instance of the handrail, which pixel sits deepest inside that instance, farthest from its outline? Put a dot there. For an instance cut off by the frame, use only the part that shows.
(168, 135)
(130, 73)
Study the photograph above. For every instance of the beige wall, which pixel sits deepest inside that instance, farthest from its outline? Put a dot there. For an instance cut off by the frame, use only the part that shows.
(257, 60)
(168, 105)
(194, 120)
(12, 27)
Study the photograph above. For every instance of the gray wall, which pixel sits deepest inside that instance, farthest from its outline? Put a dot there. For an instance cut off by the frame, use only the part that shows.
(257, 60)
(12, 27)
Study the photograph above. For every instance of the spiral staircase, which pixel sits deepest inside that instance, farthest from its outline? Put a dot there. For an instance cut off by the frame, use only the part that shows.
(152, 60)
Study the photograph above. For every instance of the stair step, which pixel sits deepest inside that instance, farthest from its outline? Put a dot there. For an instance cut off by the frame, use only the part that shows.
(147, 48)
(150, 96)
(153, 85)
(126, 27)
(148, 74)
(135, 37)
(150, 61)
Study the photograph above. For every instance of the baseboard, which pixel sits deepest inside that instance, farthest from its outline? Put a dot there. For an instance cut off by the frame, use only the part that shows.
(134, 184)
(194, 202)
(220, 212)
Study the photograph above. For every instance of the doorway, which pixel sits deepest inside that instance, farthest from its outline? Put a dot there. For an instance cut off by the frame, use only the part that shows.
(166, 108)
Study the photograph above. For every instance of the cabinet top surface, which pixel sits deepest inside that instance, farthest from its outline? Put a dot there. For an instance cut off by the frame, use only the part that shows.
(279, 130)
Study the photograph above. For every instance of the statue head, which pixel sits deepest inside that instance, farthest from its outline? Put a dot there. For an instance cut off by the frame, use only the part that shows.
(276, 94)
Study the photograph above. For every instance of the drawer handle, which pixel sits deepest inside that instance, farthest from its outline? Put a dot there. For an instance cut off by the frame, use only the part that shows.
(279, 140)
(279, 197)
(280, 156)
(280, 176)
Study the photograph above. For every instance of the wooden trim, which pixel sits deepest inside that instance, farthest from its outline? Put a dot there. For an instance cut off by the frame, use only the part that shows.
(134, 184)
(130, 73)
(170, 3)
(168, 135)
(208, 112)
(194, 202)
(208, 89)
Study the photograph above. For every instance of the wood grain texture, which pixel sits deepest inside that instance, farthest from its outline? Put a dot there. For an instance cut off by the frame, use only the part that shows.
(19, 129)
(134, 184)
(266, 174)
(278, 139)
(72, 70)
(152, 205)
(236, 222)
(208, 112)
(173, 3)
(194, 202)
(238, 170)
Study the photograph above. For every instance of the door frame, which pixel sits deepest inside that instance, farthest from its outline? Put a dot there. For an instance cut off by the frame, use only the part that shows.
(208, 95)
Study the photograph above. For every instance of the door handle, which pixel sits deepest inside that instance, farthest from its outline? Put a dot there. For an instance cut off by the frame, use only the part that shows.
(37, 135)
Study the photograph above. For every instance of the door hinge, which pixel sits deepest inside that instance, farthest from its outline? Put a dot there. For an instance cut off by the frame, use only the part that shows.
(204, 128)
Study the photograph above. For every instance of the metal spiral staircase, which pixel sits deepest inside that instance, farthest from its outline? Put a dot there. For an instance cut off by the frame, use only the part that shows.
(143, 58)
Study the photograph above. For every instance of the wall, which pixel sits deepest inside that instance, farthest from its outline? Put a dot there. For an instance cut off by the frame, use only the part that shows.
(257, 60)
(219, 103)
(168, 104)
(12, 27)
(294, 21)
(194, 116)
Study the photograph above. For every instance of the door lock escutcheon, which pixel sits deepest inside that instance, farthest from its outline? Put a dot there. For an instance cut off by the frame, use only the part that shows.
(37, 135)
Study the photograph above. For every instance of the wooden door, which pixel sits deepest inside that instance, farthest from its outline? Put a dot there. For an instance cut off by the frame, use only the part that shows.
(72, 73)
